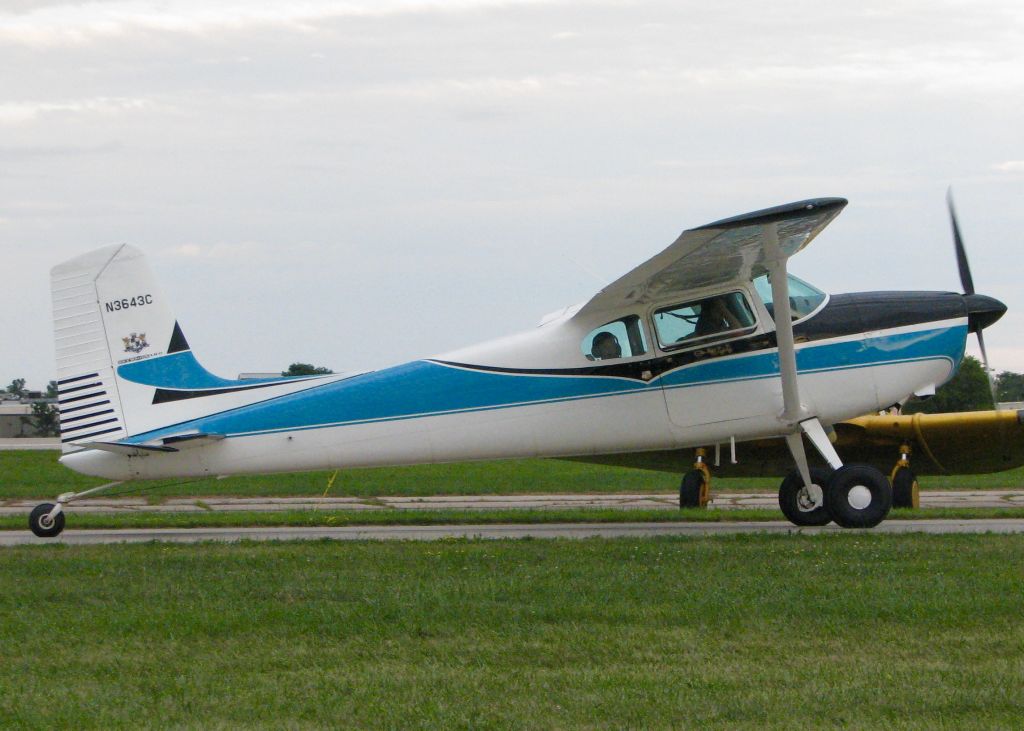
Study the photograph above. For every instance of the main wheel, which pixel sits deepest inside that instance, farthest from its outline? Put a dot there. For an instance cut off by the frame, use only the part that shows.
(805, 506)
(690, 490)
(905, 490)
(858, 496)
(40, 523)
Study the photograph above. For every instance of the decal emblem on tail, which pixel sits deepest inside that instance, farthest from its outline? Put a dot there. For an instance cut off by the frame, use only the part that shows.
(135, 343)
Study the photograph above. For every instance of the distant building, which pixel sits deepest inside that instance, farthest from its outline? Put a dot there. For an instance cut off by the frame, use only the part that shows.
(13, 420)
(16, 413)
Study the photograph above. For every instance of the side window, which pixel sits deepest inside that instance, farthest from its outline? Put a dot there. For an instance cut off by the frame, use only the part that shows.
(617, 339)
(710, 318)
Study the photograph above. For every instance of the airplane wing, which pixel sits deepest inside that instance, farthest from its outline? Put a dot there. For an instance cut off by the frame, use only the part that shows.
(947, 443)
(733, 249)
(977, 442)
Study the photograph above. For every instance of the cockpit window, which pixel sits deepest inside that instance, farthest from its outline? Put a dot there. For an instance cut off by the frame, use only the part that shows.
(617, 339)
(803, 298)
(701, 320)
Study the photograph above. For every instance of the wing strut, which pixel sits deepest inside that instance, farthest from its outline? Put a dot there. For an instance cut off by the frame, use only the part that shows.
(794, 413)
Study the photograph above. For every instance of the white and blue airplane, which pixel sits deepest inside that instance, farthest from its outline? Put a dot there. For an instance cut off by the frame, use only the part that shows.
(710, 342)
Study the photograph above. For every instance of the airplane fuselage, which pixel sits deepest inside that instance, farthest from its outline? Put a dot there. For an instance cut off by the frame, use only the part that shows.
(538, 394)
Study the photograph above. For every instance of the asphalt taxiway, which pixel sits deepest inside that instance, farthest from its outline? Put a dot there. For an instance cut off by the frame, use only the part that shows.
(438, 532)
(630, 501)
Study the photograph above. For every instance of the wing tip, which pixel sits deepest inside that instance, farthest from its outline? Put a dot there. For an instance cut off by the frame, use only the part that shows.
(778, 213)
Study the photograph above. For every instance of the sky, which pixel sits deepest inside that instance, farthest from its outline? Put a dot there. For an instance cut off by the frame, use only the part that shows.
(355, 184)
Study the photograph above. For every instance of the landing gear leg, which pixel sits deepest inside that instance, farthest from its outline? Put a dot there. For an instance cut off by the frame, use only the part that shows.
(695, 489)
(47, 520)
(906, 493)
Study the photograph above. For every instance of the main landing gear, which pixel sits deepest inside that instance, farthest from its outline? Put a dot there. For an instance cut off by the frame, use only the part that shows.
(854, 496)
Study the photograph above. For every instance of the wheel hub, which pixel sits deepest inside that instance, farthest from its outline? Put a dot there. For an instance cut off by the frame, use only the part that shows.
(46, 521)
(809, 498)
(859, 497)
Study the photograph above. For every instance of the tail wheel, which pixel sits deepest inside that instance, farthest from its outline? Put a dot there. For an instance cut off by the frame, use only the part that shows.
(906, 493)
(804, 505)
(692, 493)
(858, 496)
(40, 522)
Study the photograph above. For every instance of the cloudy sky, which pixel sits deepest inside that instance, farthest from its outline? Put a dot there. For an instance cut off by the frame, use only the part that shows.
(358, 183)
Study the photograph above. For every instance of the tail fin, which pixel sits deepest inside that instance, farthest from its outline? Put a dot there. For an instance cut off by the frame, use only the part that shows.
(108, 311)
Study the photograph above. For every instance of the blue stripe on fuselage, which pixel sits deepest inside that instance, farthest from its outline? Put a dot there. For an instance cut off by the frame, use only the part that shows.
(946, 342)
(422, 388)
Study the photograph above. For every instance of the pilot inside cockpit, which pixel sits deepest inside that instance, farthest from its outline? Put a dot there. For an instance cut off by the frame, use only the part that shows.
(715, 317)
(605, 346)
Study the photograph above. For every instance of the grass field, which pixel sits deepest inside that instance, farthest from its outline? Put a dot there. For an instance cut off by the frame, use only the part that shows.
(27, 474)
(848, 631)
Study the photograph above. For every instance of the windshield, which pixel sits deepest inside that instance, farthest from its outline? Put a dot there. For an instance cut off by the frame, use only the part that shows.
(803, 298)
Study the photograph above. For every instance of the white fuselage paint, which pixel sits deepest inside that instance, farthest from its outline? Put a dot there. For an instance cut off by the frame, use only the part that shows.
(638, 420)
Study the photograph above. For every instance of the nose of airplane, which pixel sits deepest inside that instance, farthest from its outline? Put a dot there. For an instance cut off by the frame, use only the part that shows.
(982, 311)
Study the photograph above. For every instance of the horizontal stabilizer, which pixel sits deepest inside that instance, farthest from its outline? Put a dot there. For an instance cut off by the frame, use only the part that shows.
(172, 443)
(130, 450)
(194, 439)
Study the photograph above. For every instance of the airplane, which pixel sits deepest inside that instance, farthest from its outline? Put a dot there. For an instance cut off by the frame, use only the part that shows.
(711, 341)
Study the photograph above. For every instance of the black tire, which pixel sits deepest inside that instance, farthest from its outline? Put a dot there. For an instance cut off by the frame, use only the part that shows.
(792, 504)
(905, 489)
(38, 524)
(858, 496)
(690, 489)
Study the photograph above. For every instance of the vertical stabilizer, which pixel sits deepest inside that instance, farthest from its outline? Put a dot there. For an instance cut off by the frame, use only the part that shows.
(108, 311)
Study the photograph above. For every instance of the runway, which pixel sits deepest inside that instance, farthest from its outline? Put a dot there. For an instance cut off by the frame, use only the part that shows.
(511, 531)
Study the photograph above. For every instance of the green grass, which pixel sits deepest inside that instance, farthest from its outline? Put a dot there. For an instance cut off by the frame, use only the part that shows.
(28, 474)
(292, 518)
(852, 631)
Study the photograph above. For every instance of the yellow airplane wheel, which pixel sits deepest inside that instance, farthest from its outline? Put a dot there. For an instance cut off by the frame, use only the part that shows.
(693, 489)
(906, 492)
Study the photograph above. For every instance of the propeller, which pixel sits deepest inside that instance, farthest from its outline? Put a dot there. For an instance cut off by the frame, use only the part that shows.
(967, 282)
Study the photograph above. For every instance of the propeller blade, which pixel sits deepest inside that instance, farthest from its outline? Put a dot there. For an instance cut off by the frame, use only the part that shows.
(961, 253)
(988, 371)
(968, 284)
